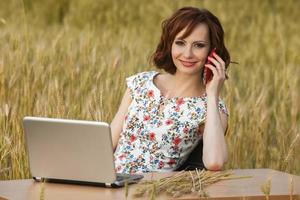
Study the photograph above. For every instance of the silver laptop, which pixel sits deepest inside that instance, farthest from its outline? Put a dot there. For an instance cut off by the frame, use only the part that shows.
(72, 151)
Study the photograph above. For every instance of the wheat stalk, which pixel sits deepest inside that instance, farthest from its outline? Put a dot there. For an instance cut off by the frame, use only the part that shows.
(182, 183)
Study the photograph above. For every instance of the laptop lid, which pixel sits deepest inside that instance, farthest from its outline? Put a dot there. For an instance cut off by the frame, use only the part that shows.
(69, 149)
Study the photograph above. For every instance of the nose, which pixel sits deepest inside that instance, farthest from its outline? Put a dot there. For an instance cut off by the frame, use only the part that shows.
(188, 53)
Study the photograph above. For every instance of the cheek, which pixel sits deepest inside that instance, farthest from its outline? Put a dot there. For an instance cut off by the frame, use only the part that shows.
(201, 54)
(175, 52)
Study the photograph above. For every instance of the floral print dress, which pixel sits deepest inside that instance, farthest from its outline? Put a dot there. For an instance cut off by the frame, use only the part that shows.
(155, 138)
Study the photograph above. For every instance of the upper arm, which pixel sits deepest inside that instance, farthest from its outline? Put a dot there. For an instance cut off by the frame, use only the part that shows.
(118, 120)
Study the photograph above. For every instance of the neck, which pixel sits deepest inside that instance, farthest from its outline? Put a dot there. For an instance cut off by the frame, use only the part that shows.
(185, 85)
(187, 79)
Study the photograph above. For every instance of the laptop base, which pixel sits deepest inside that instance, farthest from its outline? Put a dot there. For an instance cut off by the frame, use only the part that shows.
(120, 182)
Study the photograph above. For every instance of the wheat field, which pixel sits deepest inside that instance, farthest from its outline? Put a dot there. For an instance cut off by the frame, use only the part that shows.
(69, 59)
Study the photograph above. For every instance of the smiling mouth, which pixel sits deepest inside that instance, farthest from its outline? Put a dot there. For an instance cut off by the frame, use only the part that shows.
(187, 63)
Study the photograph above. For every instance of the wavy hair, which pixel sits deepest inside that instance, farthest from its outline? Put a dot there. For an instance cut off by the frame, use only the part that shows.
(189, 18)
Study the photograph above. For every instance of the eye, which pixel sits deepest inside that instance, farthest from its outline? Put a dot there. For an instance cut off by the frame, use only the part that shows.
(179, 43)
(199, 45)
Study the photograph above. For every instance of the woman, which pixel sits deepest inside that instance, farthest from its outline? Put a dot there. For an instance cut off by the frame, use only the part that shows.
(163, 116)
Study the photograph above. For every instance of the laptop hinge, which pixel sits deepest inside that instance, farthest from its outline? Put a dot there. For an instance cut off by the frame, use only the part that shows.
(38, 179)
(108, 184)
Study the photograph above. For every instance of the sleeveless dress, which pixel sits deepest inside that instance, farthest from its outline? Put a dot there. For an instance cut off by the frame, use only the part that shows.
(154, 139)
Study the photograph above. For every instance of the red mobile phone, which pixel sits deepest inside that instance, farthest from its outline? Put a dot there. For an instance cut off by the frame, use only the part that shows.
(207, 74)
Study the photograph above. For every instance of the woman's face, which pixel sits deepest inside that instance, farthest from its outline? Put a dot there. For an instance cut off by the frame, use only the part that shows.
(189, 54)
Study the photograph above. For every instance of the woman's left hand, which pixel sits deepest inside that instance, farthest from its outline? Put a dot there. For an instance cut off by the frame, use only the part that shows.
(218, 69)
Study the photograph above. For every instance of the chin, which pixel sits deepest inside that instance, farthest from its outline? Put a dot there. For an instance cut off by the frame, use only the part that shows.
(189, 70)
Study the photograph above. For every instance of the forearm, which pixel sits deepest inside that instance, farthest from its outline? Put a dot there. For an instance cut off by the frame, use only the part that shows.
(214, 143)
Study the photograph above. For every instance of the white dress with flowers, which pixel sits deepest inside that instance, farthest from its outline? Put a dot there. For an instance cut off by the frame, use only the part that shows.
(154, 140)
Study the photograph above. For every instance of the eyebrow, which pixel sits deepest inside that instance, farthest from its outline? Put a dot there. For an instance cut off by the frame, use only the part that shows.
(197, 41)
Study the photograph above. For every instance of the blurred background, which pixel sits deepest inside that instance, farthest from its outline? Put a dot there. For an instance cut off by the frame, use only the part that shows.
(69, 59)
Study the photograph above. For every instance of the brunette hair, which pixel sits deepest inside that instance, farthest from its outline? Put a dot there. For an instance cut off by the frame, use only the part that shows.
(189, 18)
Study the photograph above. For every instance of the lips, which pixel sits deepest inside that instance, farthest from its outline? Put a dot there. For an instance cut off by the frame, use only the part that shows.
(187, 63)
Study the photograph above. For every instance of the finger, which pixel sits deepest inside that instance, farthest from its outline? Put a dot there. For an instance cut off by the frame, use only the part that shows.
(216, 72)
(219, 59)
(217, 65)
(213, 69)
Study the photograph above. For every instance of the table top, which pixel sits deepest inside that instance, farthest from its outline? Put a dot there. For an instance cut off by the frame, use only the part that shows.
(248, 188)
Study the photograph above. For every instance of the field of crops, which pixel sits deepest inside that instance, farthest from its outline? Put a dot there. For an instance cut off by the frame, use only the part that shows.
(69, 59)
